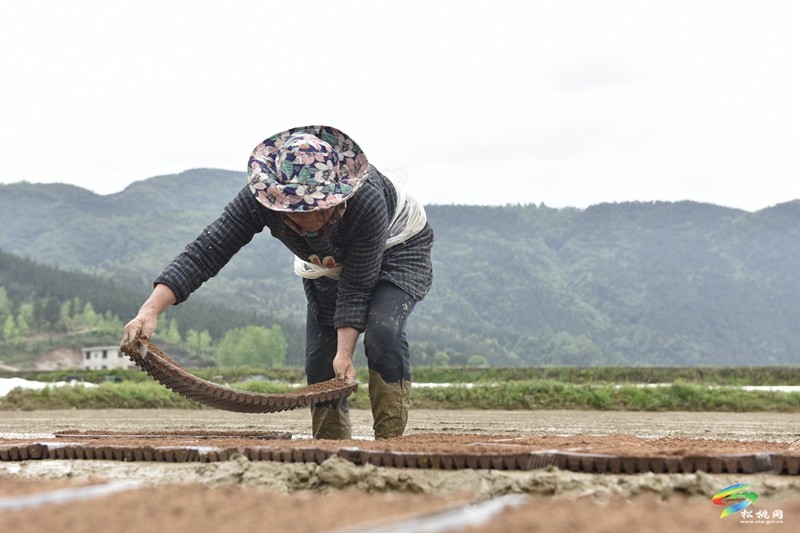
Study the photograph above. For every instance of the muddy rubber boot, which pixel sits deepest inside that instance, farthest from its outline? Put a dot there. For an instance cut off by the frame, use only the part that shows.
(331, 421)
(390, 403)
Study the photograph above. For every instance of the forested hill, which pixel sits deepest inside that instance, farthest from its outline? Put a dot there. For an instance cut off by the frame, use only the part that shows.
(632, 283)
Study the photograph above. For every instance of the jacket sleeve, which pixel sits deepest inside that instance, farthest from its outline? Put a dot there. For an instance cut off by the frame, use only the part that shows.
(204, 257)
(361, 265)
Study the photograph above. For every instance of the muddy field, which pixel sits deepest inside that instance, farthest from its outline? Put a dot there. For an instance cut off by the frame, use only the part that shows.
(738, 426)
(238, 494)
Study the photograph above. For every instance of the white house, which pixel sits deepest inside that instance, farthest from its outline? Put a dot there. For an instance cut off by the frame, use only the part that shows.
(103, 357)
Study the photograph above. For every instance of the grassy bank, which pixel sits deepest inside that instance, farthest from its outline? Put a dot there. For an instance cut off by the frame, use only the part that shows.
(512, 395)
(718, 376)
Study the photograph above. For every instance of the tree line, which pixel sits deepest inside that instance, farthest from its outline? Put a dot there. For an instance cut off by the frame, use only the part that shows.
(46, 318)
(45, 305)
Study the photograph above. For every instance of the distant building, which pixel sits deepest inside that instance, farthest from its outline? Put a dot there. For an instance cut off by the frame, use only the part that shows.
(105, 357)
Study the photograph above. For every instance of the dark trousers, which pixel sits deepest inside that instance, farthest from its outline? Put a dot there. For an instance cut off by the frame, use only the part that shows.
(385, 343)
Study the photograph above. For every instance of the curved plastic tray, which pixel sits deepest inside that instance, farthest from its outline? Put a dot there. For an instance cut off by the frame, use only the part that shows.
(150, 359)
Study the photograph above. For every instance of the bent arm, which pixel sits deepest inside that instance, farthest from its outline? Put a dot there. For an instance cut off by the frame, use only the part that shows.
(204, 257)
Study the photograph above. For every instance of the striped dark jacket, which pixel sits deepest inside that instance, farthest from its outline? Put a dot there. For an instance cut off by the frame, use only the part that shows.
(356, 242)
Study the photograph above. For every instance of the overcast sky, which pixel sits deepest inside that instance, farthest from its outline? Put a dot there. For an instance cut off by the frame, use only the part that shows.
(566, 103)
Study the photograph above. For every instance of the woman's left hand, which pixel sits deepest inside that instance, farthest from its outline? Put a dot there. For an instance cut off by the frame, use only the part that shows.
(343, 366)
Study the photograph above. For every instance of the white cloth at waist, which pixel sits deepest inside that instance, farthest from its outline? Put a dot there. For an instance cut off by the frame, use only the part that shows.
(408, 220)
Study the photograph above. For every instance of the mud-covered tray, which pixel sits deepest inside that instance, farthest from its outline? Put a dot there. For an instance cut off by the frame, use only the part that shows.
(158, 365)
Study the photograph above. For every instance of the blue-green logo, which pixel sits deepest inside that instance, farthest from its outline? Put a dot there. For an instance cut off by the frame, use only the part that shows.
(734, 498)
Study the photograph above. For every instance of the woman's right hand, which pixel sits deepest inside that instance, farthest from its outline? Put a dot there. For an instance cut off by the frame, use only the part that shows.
(142, 326)
(145, 322)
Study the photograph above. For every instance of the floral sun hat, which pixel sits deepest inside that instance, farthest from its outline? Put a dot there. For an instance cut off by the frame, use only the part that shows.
(306, 169)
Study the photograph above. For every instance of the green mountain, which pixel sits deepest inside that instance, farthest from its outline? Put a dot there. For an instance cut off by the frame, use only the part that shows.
(632, 283)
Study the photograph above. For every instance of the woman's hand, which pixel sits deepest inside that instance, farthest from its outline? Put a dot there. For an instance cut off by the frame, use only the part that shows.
(343, 366)
(345, 348)
(143, 325)
(145, 322)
